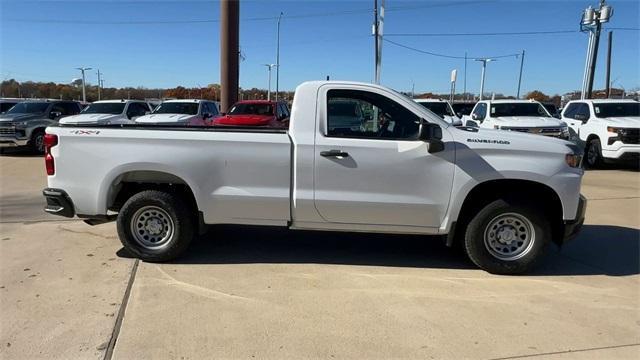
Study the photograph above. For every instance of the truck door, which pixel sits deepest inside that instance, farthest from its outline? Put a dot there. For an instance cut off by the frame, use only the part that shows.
(369, 166)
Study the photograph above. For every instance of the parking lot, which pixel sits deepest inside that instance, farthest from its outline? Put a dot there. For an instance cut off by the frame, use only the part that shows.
(69, 291)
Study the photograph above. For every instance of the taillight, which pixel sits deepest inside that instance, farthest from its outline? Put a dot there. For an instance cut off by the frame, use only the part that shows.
(50, 140)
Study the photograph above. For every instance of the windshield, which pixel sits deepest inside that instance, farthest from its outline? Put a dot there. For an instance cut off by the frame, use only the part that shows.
(347, 109)
(518, 109)
(251, 109)
(463, 109)
(439, 108)
(29, 108)
(104, 108)
(616, 109)
(177, 108)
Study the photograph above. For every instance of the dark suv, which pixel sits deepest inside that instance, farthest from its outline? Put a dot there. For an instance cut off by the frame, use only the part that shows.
(24, 123)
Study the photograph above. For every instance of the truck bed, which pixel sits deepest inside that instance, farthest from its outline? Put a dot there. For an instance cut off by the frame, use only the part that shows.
(234, 173)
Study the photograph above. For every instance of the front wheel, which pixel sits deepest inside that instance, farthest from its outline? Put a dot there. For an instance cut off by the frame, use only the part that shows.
(505, 238)
(594, 154)
(155, 226)
(37, 141)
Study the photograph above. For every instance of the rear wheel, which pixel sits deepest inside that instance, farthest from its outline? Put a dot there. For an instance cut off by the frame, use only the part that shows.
(37, 141)
(155, 225)
(594, 154)
(506, 238)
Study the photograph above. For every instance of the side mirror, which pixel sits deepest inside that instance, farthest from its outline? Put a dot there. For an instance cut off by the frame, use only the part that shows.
(471, 123)
(581, 117)
(456, 122)
(432, 135)
(54, 115)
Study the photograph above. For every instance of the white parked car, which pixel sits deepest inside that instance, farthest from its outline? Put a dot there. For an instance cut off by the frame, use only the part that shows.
(441, 108)
(526, 116)
(191, 112)
(106, 112)
(414, 173)
(609, 129)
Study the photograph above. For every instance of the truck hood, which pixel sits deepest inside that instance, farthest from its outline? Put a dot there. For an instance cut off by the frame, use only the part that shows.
(244, 120)
(9, 118)
(95, 119)
(165, 118)
(528, 121)
(626, 121)
(508, 141)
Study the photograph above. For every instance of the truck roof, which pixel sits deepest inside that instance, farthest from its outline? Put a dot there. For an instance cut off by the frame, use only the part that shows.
(430, 100)
(512, 101)
(609, 100)
(116, 101)
(187, 100)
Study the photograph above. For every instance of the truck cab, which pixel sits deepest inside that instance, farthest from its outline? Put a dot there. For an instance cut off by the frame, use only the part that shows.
(608, 129)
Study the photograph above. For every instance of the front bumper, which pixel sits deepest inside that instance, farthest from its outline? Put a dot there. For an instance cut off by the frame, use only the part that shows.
(58, 203)
(10, 136)
(572, 227)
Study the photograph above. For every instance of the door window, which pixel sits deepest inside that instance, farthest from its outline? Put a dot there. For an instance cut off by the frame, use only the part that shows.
(583, 110)
(570, 112)
(136, 109)
(363, 114)
(480, 112)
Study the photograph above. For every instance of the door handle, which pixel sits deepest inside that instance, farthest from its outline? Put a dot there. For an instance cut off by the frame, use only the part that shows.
(334, 153)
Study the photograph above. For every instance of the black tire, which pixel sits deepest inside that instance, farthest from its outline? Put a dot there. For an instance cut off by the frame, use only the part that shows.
(593, 154)
(36, 144)
(174, 213)
(488, 254)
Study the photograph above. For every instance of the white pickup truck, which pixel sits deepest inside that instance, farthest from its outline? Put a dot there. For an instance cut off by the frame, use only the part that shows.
(503, 195)
(609, 129)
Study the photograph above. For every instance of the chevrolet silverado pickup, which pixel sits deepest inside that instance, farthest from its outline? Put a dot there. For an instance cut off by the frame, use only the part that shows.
(609, 129)
(502, 195)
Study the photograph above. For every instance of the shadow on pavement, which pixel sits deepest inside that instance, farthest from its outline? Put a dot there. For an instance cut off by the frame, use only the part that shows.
(598, 250)
(19, 152)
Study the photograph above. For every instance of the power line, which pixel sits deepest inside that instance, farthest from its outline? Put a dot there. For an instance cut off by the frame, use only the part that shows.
(447, 56)
(486, 34)
(264, 18)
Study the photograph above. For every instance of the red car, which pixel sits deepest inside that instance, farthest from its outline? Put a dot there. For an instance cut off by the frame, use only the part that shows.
(256, 113)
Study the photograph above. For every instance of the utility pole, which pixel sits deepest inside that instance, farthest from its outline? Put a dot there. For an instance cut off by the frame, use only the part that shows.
(229, 52)
(454, 77)
(520, 77)
(278, 58)
(82, 70)
(269, 66)
(378, 25)
(592, 20)
(608, 77)
(99, 84)
(464, 92)
(484, 66)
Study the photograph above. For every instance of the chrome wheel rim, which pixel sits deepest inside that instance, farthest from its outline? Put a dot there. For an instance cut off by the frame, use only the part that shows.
(509, 236)
(152, 227)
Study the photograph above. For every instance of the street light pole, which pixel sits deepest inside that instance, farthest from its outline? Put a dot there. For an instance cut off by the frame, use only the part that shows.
(82, 70)
(99, 82)
(484, 66)
(278, 58)
(269, 66)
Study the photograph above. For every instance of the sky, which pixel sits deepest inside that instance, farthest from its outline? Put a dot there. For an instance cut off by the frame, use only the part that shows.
(170, 43)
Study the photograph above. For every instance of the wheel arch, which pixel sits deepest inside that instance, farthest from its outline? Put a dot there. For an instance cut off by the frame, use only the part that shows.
(541, 195)
(128, 183)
